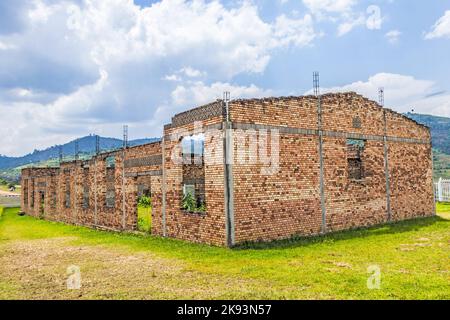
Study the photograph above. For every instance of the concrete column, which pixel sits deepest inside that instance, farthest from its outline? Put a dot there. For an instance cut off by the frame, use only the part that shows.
(124, 213)
(321, 164)
(163, 187)
(386, 170)
(229, 192)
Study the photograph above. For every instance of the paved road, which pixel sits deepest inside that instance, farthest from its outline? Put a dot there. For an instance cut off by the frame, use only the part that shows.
(8, 193)
(9, 199)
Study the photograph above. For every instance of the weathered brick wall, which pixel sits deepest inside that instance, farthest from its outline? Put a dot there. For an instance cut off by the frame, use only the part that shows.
(410, 169)
(35, 181)
(275, 206)
(210, 226)
(142, 163)
(98, 179)
(353, 203)
(262, 206)
(411, 180)
(288, 203)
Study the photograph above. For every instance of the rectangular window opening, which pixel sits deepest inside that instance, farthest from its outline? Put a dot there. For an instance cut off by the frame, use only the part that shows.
(355, 151)
(193, 148)
(67, 196)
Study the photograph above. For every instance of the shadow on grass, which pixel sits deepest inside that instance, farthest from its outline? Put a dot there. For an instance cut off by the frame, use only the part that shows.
(382, 229)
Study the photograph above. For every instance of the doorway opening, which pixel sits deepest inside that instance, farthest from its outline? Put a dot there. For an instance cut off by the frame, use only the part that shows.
(144, 204)
(41, 204)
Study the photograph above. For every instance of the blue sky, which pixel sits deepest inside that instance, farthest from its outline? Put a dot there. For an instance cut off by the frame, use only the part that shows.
(73, 67)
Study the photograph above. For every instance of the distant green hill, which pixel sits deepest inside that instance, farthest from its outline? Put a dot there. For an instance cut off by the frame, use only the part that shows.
(440, 130)
(441, 165)
(86, 145)
(10, 166)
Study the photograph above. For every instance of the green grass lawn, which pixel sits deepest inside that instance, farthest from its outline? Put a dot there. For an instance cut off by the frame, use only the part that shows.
(443, 209)
(413, 258)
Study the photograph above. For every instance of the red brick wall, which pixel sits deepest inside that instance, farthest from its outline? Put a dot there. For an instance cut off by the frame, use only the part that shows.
(92, 173)
(288, 203)
(411, 180)
(207, 227)
(265, 207)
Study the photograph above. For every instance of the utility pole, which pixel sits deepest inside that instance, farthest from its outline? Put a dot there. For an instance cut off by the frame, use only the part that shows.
(125, 145)
(316, 86)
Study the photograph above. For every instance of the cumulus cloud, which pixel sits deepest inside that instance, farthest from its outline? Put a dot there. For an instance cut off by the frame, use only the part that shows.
(198, 93)
(330, 6)
(441, 28)
(73, 67)
(403, 93)
(347, 26)
(393, 36)
(346, 14)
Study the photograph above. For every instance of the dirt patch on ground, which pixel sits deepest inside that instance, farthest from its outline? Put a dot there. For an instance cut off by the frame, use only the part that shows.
(38, 269)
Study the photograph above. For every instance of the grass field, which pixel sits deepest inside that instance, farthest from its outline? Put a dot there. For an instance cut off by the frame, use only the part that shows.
(413, 258)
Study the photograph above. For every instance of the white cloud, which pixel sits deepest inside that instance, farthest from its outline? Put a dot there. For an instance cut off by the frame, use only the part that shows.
(441, 28)
(90, 66)
(349, 25)
(402, 93)
(345, 14)
(330, 6)
(172, 77)
(393, 36)
(192, 73)
(197, 93)
(296, 32)
(6, 46)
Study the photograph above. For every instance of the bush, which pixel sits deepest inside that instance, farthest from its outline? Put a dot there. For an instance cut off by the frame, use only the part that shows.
(190, 204)
(145, 202)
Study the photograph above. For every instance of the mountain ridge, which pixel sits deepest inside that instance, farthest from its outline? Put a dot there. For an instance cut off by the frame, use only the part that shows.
(440, 129)
(86, 146)
(439, 126)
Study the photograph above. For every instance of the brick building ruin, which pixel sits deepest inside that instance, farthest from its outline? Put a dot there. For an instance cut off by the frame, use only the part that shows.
(264, 169)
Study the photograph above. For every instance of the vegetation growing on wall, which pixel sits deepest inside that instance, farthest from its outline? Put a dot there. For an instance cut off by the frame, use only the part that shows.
(191, 205)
